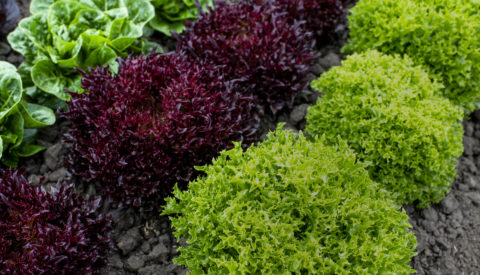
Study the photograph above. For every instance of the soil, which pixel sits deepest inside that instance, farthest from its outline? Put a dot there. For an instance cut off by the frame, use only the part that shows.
(448, 233)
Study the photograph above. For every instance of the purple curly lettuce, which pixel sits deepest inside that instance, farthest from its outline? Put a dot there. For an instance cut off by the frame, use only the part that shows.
(43, 233)
(261, 46)
(140, 131)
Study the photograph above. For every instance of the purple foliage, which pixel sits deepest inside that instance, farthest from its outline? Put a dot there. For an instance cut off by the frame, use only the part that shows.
(140, 131)
(42, 233)
(322, 17)
(257, 43)
(9, 15)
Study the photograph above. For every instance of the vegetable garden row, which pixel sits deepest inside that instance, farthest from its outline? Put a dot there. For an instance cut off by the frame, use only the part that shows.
(386, 131)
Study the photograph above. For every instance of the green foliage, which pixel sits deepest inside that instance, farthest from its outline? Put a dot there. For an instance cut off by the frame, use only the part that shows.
(171, 14)
(65, 34)
(289, 206)
(17, 114)
(387, 111)
(440, 34)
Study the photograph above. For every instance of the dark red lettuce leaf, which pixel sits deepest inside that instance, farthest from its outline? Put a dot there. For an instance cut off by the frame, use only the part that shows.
(9, 15)
(322, 17)
(140, 131)
(42, 233)
(258, 44)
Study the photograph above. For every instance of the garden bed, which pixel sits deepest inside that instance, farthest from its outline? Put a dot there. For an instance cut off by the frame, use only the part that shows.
(448, 233)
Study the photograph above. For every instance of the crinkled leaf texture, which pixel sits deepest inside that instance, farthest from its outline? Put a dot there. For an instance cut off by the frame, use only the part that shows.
(15, 115)
(322, 17)
(440, 34)
(394, 118)
(289, 206)
(43, 233)
(258, 44)
(64, 34)
(170, 15)
(140, 131)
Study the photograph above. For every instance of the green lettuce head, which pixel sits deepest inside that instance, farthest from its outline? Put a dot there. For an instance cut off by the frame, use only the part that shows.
(441, 35)
(65, 34)
(171, 14)
(15, 115)
(289, 206)
(395, 119)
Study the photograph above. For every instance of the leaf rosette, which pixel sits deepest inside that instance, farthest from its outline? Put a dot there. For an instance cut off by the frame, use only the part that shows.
(395, 119)
(289, 206)
(65, 34)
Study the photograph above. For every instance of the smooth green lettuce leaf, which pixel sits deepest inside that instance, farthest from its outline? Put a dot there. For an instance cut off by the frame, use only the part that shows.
(36, 115)
(103, 54)
(16, 114)
(63, 35)
(10, 90)
(441, 35)
(170, 15)
(48, 77)
(40, 6)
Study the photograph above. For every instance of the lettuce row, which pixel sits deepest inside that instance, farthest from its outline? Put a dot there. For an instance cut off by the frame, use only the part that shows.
(170, 15)
(441, 35)
(396, 121)
(15, 115)
(65, 34)
(289, 206)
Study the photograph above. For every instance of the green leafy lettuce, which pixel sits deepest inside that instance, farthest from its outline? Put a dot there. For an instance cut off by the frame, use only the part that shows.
(61, 35)
(442, 35)
(289, 206)
(15, 115)
(171, 14)
(395, 119)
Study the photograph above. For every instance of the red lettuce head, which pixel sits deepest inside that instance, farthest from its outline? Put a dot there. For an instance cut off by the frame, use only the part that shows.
(43, 233)
(322, 17)
(143, 129)
(258, 44)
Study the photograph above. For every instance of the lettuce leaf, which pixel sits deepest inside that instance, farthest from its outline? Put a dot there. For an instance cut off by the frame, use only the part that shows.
(15, 115)
(171, 15)
(64, 35)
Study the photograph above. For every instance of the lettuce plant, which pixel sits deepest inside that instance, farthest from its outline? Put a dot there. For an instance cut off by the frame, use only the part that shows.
(9, 16)
(15, 115)
(322, 17)
(392, 116)
(289, 206)
(170, 15)
(258, 44)
(64, 34)
(439, 34)
(142, 130)
(43, 233)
